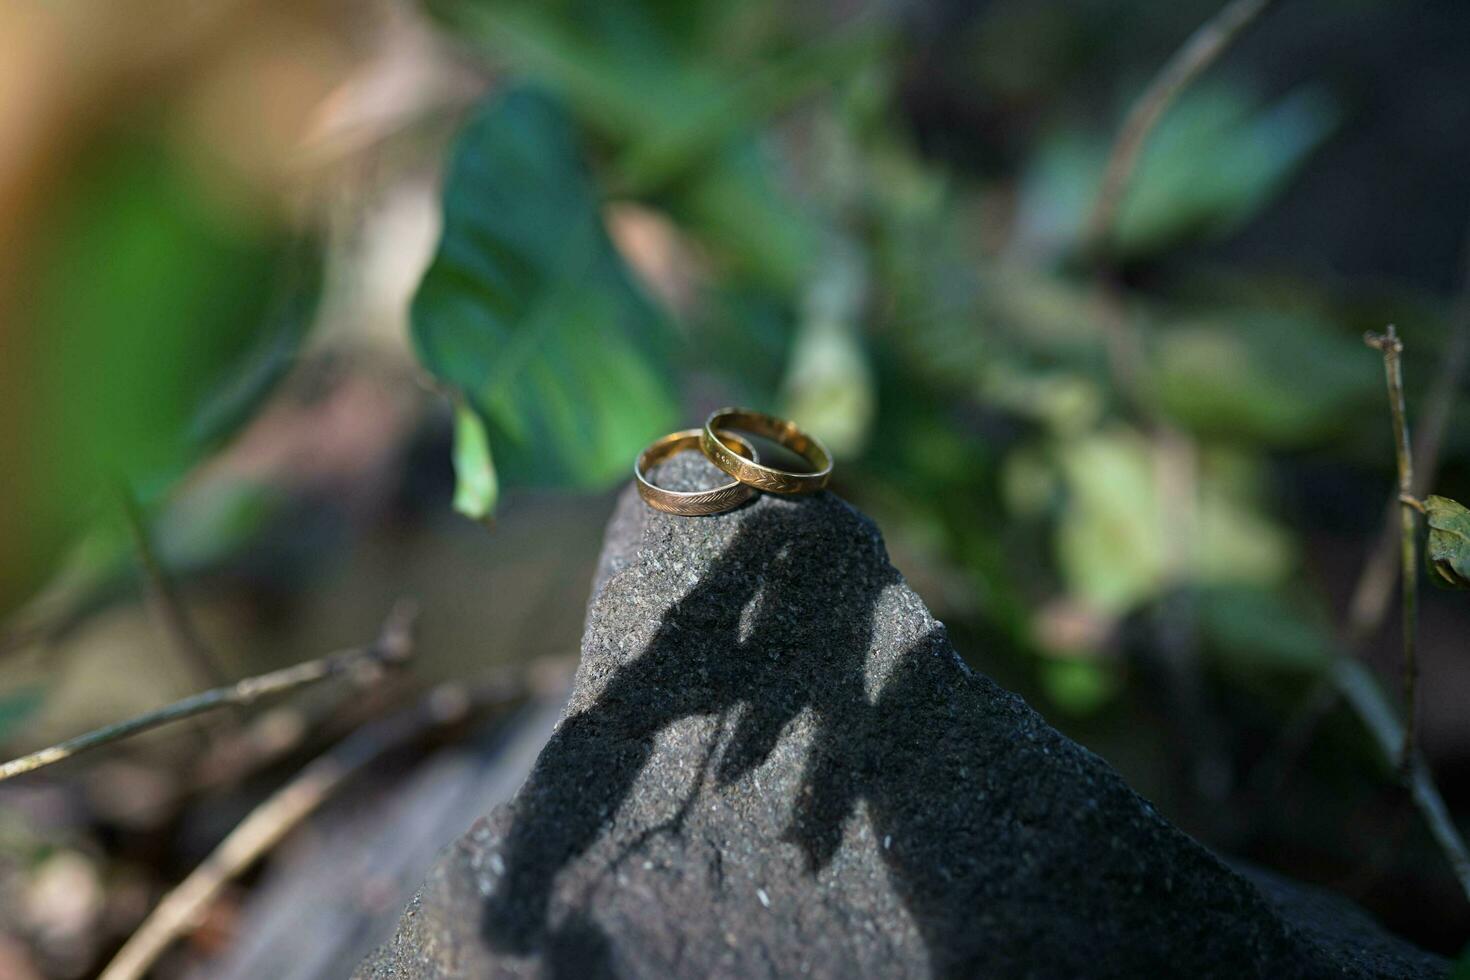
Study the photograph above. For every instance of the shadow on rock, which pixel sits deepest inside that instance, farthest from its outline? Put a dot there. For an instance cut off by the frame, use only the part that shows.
(786, 769)
(753, 655)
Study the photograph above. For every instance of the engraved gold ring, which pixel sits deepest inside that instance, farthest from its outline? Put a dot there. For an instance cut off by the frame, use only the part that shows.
(686, 502)
(751, 472)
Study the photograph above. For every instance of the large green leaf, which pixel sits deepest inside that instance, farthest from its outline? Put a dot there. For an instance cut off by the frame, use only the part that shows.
(527, 311)
(679, 101)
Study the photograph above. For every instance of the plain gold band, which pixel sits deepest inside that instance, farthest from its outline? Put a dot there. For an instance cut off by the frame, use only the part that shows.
(690, 503)
(753, 473)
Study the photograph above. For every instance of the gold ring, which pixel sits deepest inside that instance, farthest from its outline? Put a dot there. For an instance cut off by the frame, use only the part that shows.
(753, 473)
(690, 503)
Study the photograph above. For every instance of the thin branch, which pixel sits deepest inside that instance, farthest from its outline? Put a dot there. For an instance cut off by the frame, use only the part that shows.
(1369, 604)
(165, 593)
(1357, 686)
(266, 825)
(393, 646)
(1392, 349)
(1198, 53)
(1370, 599)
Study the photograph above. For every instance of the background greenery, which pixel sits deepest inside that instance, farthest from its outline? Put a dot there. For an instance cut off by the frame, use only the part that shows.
(274, 271)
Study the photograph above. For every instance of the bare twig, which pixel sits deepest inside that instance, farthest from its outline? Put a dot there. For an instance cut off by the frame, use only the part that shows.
(1370, 600)
(1202, 49)
(1371, 596)
(1392, 349)
(165, 594)
(393, 646)
(1357, 686)
(181, 909)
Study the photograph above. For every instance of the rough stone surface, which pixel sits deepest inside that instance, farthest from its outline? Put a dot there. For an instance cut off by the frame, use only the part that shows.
(774, 764)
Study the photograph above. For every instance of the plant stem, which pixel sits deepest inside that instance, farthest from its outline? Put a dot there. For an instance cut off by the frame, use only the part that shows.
(393, 646)
(1197, 54)
(1392, 349)
(1358, 687)
(1374, 589)
(268, 823)
(165, 594)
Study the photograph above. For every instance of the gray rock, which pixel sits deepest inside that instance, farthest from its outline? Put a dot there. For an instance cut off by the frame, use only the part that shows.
(774, 764)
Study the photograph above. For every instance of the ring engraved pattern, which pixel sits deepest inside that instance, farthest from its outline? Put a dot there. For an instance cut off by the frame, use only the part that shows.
(750, 471)
(691, 503)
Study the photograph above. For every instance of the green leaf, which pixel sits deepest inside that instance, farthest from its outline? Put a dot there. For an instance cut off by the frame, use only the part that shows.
(678, 106)
(156, 311)
(1264, 628)
(1263, 377)
(527, 311)
(829, 386)
(1215, 160)
(272, 350)
(1078, 686)
(1449, 541)
(1111, 545)
(476, 488)
(18, 706)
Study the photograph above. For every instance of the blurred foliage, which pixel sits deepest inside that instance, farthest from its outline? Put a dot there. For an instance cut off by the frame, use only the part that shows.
(1215, 160)
(676, 94)
(163, 313)
(1112, 548)
(1461, 969)
(1264, 630)
(1262, 377)
(18, 707)
(866, 217)
(663, 205)
(956, 364)
(157, 307)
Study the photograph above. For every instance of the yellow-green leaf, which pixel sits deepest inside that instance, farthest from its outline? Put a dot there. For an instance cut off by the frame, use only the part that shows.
(476, 488)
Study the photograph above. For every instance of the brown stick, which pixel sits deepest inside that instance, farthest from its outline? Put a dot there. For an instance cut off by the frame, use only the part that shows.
(393, 646)
(268, 823)
(1392, 349)
(1202, 49)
